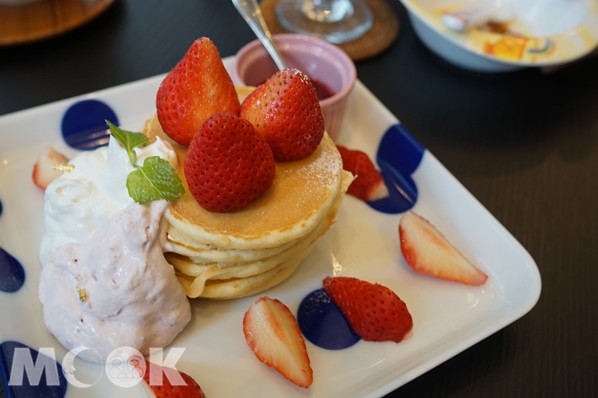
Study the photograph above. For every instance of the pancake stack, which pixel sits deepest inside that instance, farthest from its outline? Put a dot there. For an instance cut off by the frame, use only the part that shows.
(231, 255)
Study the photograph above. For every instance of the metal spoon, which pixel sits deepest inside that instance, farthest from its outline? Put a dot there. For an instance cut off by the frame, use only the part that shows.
(252, 13)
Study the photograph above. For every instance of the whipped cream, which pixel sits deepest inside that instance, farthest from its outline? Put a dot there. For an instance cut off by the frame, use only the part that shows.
(81, 200)
(105, 282)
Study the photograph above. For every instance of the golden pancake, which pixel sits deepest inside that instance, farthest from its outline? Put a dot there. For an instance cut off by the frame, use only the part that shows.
(216, 271)
(242, 287)
(182, 245)
(227, 257)
(226, 277)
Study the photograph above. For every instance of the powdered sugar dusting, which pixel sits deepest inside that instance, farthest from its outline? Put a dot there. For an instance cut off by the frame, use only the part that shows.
(326, 168)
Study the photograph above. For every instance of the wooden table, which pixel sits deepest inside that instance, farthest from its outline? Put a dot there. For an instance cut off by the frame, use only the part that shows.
(524, 143)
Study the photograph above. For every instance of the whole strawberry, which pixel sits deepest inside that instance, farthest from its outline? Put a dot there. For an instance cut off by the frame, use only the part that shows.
(374, 311)
(285, 109)
(368, 184)
(228, 164)
(198, 87)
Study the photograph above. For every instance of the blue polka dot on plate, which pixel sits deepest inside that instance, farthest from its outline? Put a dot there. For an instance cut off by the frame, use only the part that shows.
(322, 322)
(399, 155)
(84, 124)
(12, 273)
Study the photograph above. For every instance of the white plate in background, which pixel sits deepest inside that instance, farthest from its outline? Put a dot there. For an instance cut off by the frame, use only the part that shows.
(540, 33)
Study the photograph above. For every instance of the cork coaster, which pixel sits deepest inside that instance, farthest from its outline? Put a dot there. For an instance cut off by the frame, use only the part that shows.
(382, 34)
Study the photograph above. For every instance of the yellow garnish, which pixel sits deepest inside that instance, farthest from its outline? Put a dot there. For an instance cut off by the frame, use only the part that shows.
(82, 294)
(65, 168)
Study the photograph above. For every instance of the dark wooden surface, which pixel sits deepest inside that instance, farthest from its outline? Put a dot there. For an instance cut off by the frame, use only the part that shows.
(524, 143)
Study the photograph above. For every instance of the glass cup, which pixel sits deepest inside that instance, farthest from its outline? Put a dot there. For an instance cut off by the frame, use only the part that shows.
(336, 21)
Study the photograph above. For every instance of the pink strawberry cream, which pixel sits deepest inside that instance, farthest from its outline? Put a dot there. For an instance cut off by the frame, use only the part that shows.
(105, 283)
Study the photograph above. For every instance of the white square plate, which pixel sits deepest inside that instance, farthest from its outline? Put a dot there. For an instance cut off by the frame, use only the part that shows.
(448, 317)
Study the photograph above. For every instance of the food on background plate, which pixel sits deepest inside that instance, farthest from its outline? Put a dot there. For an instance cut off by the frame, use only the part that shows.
(428, 252)
(272, 333)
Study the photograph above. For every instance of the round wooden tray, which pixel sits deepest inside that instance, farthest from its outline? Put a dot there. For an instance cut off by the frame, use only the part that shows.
(45, 18)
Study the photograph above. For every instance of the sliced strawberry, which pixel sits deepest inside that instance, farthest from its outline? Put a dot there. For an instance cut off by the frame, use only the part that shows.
(368, 184)
(166, 382)
(198, 87)
(228, 165)
(428, 252)
(48, 167)
(374, 311)
(273, 334)
(285, 109)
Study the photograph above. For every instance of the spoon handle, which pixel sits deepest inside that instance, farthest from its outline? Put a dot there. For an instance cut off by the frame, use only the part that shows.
(252, 13)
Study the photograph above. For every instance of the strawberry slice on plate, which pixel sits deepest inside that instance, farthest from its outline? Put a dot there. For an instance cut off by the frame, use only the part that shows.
(164, 382)
(428, 252)
(48, 167)
(368, 184)
(374, 311)
(273, 334)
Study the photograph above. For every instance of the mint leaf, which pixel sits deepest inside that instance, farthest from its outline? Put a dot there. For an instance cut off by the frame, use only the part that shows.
(128, 140)
(155, 180)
